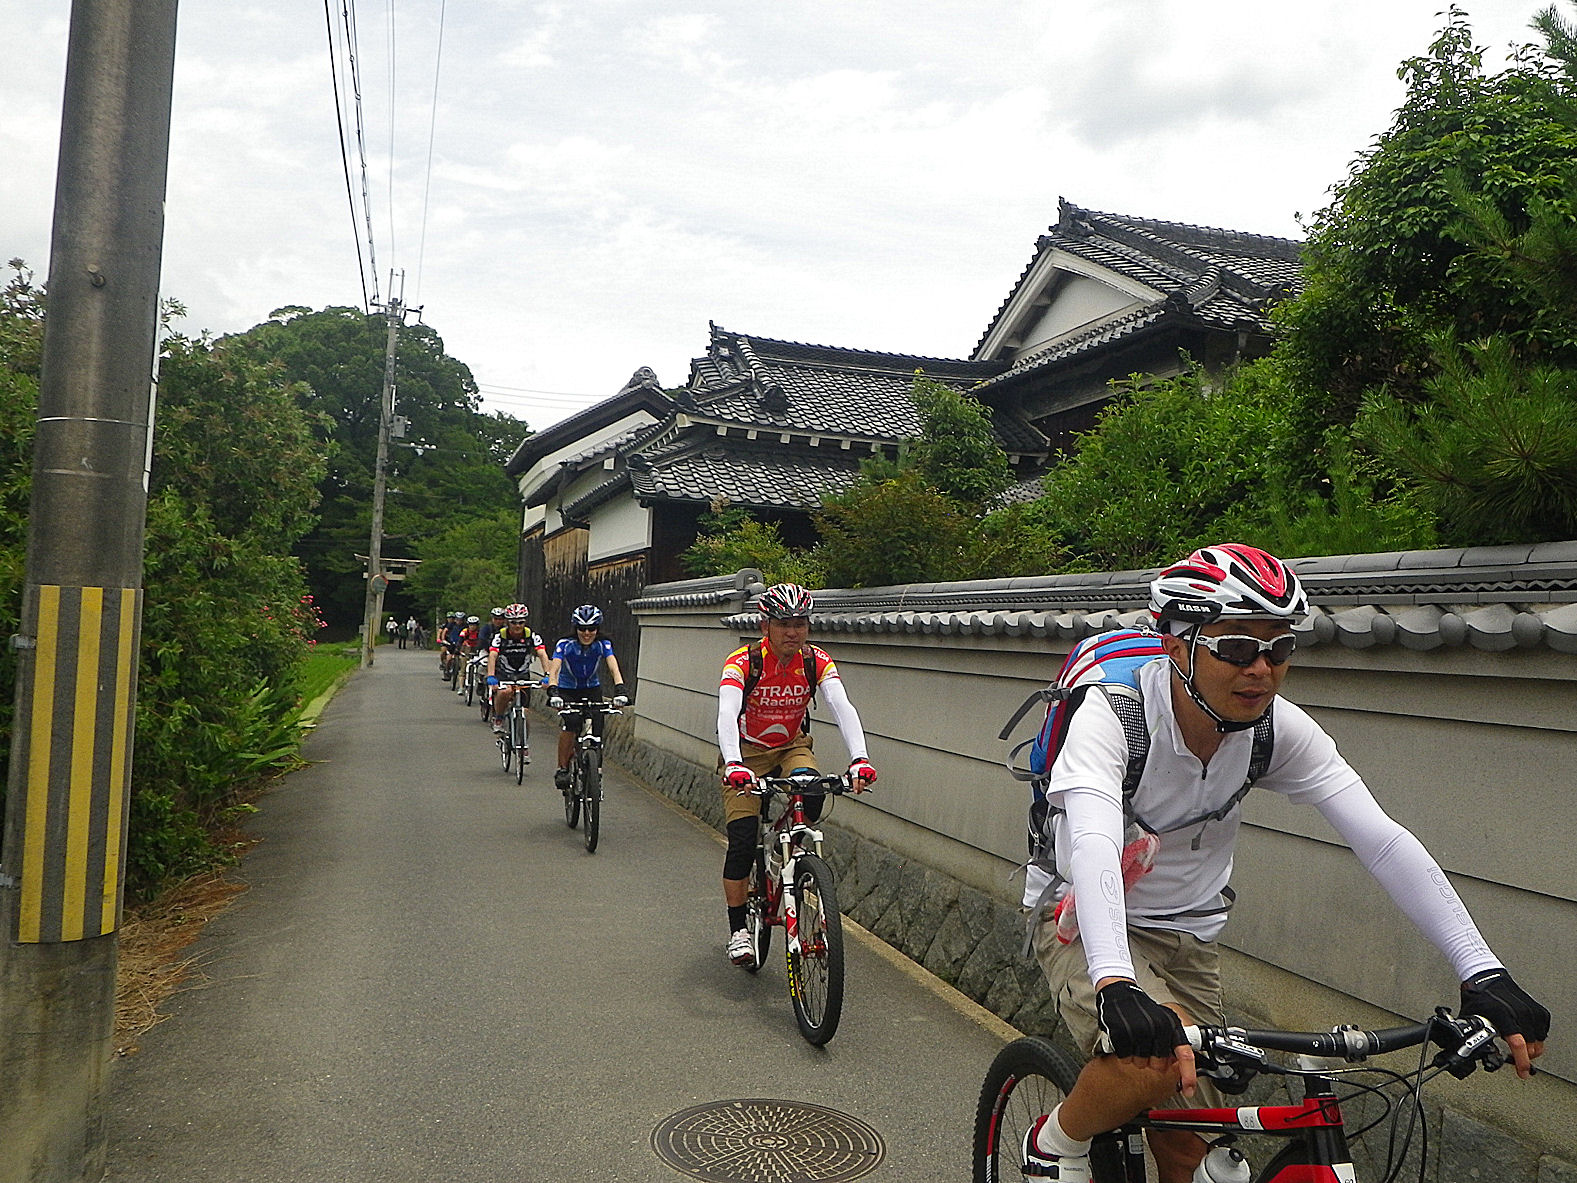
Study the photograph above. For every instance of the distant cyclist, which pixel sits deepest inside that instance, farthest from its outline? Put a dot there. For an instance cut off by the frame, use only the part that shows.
(449, 641)
(509, 659)
(573, 677)
(763, 729)
(494, 625)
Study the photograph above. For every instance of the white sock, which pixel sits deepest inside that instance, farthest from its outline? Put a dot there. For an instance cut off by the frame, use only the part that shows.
(1052, 1140)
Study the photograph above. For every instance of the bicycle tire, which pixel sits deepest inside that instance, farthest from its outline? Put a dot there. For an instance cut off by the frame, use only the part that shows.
(591, 792)
(505, 752)
(572, 796)
(758, 911)
(470, 689)
(816, 967)
(1028, 1077)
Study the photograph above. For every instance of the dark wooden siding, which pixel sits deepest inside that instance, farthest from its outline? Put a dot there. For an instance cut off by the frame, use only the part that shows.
(565, 580)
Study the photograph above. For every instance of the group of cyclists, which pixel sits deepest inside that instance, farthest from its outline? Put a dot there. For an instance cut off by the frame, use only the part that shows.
(509, 656)
(1144, 961)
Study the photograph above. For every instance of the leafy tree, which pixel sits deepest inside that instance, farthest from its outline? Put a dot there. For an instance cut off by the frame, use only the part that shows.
(1494, 449)
(731, 540)
(226, 615)
(1388, 262)
(470, 565)
(956, 451)
(889, 529)
(1013, 540)
(448, 470)
(1164, 462)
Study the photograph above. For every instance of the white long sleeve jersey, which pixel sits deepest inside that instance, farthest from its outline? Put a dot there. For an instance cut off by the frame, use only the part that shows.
(1194, 864)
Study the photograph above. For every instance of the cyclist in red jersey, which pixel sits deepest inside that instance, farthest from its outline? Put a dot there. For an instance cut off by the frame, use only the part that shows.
(763, 729)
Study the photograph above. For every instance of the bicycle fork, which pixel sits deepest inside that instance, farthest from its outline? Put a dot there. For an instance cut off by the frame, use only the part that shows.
(791, 845)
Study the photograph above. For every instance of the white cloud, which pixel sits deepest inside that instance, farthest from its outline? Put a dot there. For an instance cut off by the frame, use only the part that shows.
(608, 176)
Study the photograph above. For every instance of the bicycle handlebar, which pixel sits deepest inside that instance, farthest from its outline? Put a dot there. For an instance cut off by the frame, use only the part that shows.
(1464, 1042)
(805, 785)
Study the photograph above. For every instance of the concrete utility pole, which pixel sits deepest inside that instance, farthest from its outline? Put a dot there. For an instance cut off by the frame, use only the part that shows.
(377, 580)
(70, 774)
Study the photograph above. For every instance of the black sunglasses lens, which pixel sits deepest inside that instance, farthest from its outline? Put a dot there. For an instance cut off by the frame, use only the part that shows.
(1245, 651)
(1237, 650)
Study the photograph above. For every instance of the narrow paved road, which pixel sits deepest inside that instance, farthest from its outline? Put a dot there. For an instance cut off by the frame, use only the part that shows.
(430, 980)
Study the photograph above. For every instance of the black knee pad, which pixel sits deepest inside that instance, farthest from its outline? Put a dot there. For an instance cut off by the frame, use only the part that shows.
(742, 833)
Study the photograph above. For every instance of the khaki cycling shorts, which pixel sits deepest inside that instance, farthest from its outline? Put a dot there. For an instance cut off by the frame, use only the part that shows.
(764, 762)
(1174, 968)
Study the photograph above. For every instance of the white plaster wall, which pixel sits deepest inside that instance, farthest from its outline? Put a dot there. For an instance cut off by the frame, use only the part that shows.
(533, 477)
(1079, 302)
(1475, 752)
(619, 527)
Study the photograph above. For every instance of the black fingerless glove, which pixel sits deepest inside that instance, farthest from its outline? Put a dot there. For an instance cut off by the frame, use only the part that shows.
(1135, 1023)
(1508, 1007)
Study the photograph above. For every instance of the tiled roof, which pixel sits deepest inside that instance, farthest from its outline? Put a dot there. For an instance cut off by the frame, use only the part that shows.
(1021, 492)
(1216, 278)
(792, 386)
(752, 476)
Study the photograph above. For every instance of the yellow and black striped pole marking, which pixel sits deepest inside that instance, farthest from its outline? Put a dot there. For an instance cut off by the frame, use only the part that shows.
(77, 733)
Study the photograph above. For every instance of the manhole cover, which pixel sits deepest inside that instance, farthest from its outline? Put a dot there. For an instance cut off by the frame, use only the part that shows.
(767, 1142)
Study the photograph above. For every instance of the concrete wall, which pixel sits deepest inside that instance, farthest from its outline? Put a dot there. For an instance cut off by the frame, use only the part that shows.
(1472, 748)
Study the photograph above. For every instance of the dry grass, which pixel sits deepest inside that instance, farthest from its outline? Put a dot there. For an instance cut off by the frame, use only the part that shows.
(153, 938)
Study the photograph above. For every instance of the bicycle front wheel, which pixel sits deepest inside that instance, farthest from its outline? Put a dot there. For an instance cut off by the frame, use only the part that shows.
(1029, 1077)
(816, 967)
(470, 689)
(572, 796)
(591, 790)
(758, 911)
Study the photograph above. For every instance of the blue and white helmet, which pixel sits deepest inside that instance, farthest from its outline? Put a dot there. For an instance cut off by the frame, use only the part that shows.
(586, 616)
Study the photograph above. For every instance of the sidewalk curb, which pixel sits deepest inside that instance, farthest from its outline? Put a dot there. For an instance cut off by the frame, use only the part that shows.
(308, 719)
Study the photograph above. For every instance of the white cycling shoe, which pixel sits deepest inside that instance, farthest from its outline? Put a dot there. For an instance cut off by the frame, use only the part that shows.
(1039, 1164)
(741, 950)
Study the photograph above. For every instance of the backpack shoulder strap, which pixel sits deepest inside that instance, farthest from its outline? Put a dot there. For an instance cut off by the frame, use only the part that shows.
(752, 667)
(1128, 705)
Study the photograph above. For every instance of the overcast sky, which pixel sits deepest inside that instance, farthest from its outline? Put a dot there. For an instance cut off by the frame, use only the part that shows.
(607, 176)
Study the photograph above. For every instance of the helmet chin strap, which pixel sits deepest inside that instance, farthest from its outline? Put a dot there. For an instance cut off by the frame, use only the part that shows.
(1222, 725)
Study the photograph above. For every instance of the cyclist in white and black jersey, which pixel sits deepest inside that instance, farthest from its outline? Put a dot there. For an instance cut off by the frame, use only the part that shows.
(1144, 963)
(509, 659)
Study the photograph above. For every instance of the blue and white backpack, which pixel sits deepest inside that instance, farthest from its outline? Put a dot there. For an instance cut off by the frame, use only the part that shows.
(1111, 662)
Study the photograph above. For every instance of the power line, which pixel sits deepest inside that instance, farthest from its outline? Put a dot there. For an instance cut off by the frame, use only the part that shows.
(339, 119)
(432, 126)
(351, 47)
(392, 121)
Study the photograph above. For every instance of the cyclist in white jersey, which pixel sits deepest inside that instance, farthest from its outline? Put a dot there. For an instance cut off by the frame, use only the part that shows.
(1144, 962)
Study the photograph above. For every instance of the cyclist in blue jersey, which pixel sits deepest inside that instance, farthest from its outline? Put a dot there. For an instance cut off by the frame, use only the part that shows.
(572, 677)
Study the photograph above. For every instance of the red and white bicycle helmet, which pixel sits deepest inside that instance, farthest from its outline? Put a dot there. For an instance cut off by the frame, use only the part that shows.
(1227, 580)
(783, 600)
(516, 613)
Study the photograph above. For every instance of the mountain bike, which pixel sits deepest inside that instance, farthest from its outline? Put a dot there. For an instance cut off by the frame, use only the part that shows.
(475, 678)
(791, 887)
(514, 741)
(585, 769)
(1031, 1075)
